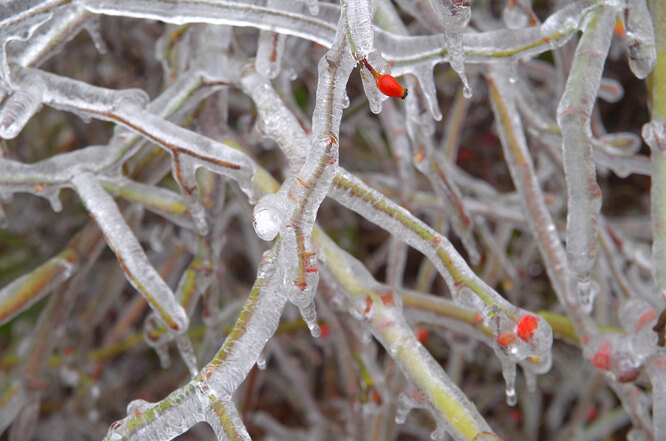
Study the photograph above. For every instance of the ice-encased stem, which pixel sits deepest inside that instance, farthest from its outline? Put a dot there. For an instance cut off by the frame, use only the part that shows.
(654, 134)
(524, 177)
(208, 394)
(573, 117)
(30, 288)
(140, 273)
(404, 53)
(387, 323)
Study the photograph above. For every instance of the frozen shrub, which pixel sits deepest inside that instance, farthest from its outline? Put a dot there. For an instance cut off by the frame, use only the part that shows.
(240, 182)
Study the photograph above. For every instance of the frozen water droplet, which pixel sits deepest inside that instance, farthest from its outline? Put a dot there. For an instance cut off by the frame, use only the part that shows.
(138, 406)
(261, 362)
(511, 397)
(269, 216)
(117, 432)
(345, 101)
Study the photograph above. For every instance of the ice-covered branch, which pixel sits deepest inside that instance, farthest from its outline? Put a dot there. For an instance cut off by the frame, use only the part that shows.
(380, 308)
(573, 116)
(141, 274)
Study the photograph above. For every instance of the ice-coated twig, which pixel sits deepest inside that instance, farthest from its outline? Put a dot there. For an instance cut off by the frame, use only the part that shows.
(292, 210)
(275, 115)
(161, 201)
(378, 307)
(428, 162)
(405, 53)
(466, 288)
(140, 273)
(522, 172)
(207, 396)
(126, 108)
(573, 116)
(30, 288)
(654, 134)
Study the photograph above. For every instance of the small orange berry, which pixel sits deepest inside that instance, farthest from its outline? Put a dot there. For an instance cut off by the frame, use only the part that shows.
(389, 86)
(506, 338)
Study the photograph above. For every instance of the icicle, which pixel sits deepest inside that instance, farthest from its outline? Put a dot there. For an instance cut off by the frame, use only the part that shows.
(640, 38)
(157, 339)
(410, 398)
(186, 351)
(313, 6)
(185, 173)
(52, 194)
(424, 74)
(261, 362)
(92, 26)
(375, 96)
(454, 15)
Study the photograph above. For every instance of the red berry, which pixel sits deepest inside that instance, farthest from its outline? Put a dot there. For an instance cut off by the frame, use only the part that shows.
(389, 86)
(421, 334)
(602, 357)
(526, 327)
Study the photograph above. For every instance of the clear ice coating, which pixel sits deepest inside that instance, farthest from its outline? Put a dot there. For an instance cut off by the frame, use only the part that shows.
(140, 273)
(19, 107)
(640, 38)
(270, 214)
(454, 15)
(358, 15)
(573, 117)
(205, 71)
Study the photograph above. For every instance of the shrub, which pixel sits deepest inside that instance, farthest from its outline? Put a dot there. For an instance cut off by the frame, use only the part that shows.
(172, 155)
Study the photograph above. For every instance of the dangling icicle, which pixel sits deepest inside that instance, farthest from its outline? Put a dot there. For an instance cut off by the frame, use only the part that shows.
(454, 15)
(640, 38)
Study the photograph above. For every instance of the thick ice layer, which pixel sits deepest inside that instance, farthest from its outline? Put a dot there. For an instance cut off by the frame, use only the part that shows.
(270, 49)
(18, 24)
(467, 289)
(18, 108)
(573, 116)
(140, 273)
(381, 309)
(358, 17)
